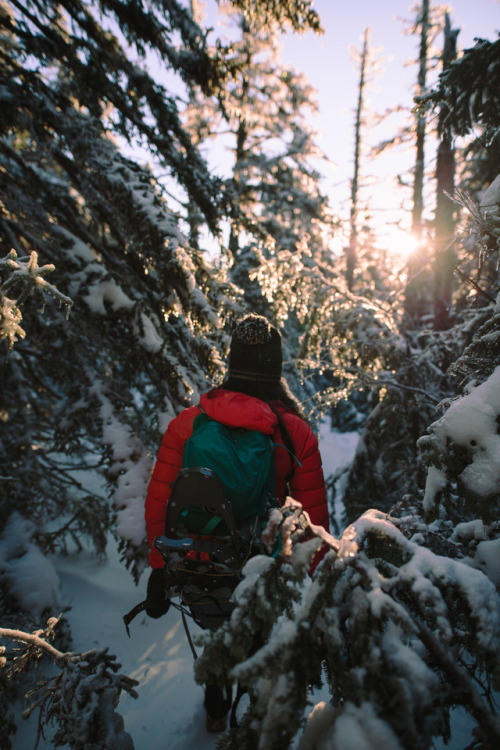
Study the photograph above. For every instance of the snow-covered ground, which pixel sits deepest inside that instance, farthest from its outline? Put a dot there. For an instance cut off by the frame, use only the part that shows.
(169, 710)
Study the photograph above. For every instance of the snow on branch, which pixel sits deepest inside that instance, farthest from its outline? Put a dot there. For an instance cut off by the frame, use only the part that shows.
(382, 623)
(22, 277)
(80, 699)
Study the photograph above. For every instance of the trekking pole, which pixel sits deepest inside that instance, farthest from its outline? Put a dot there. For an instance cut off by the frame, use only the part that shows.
(186, 628)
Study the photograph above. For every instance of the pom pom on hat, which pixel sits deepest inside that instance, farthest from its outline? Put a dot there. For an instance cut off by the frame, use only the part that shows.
(255, 351)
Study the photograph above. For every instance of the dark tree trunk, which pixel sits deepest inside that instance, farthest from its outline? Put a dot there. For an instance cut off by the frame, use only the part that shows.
(413, 292)
(352, 248)
(445, 209)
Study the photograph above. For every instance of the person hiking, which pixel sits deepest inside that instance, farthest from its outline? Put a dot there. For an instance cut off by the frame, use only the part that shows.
(253, 396)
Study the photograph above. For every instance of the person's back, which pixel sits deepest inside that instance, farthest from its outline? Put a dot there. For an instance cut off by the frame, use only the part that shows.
(253, 397)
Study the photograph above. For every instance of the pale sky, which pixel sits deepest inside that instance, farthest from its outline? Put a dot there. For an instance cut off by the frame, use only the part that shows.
(326, 62)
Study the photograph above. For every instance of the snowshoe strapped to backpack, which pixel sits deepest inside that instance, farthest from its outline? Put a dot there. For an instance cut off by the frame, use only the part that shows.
(244, 462)
(204, 569)
(214, 516)
(207, 542)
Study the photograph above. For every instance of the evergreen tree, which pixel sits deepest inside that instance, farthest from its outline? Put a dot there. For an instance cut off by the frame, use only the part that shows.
(399, 635)
(143, 336)
(85, 400)
(298, 14)
(382, 466)
(280, 224)
(462, 451)
(401, 620)
(80, 699)
(466, 89)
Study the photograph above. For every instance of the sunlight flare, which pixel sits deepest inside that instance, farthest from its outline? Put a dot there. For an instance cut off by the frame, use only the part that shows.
(400, 242)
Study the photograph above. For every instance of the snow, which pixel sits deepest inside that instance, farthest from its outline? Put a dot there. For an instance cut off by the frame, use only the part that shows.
(337, 451)
(254, 569)
(358, 728)
(471, 422)
(436, 481)
(487, 559)
(150, 338)
(131, 464)
(468, 530)
(31, 577)
(491, 196)
(106, 291)
(169, 710)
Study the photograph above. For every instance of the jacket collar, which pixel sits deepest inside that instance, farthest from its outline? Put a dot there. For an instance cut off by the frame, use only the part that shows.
(235, 409)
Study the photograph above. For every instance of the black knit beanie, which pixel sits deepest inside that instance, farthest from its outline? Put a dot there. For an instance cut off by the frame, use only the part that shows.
(255, 351)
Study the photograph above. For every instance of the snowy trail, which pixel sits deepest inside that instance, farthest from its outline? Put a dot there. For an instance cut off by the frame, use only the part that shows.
(169, 710)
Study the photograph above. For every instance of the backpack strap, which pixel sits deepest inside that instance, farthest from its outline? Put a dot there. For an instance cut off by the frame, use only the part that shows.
(294, 457)
(287, 441)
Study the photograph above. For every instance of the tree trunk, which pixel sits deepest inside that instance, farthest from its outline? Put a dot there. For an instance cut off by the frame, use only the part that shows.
(352, 248)
(416, 262)
(418, 182)
(234, 236)
(445, 209)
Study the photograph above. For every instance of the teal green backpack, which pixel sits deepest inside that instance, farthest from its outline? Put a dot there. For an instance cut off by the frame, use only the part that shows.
(244, 462)
(218, 504)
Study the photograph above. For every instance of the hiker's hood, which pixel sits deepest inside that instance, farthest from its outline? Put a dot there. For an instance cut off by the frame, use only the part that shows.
(238, 410)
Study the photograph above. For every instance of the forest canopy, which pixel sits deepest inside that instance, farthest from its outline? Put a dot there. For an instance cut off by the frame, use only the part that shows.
(125, 259)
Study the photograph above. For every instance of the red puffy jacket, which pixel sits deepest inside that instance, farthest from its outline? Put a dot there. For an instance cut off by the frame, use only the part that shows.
(307, 484)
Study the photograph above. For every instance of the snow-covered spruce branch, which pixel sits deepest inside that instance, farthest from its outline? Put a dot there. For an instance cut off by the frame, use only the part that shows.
(485, 220)
(384, 616)
(291, 523)
(390, 383)
(23, 277)
(35, 640)
(81, 699)
(463, 684)
(474, 285)
(412, 620)
(361, 378)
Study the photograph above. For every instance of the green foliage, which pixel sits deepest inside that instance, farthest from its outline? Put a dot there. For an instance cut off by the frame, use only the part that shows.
(466, 94)
(280, 224)
(468, 88)
(460, 448)
(21, 277)
(299, 14)
(143, 337)
(409, 376)
(380, 609)
(80, 699)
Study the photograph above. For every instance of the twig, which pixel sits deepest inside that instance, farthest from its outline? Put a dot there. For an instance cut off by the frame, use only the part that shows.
(34, 640)
(470, 281)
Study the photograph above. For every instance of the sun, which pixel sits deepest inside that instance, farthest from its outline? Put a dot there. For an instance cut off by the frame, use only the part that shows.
(398, 242)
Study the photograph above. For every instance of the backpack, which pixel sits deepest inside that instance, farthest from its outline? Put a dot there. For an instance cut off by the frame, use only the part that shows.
(217, 507)
(244, 462)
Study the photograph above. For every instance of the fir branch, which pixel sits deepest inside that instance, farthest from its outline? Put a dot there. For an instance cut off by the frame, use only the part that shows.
(463, 687)
(81, 698)
(475, 286)
(34, 639)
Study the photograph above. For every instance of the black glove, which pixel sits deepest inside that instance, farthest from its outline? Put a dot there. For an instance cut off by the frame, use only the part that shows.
(157, 603)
